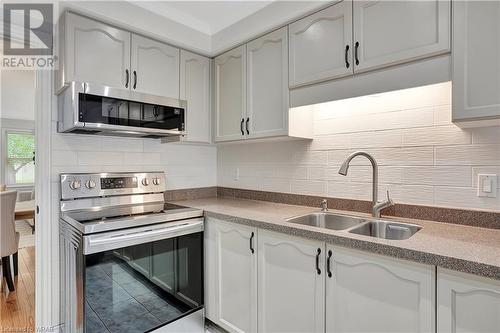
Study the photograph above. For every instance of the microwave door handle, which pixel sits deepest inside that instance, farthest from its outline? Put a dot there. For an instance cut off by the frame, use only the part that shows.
(100, 243)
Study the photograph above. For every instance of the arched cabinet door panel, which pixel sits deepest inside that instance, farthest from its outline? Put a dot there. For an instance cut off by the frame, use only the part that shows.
(393, 295)
(96, 52)
(195, 89)
(393, 32)
(154, 67)
(232, 276)
(291, 284)
(467, 303)
(230, 95)
(321, 45)
(267, 88)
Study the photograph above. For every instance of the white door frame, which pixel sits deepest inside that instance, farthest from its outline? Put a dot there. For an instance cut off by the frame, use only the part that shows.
(46, 240)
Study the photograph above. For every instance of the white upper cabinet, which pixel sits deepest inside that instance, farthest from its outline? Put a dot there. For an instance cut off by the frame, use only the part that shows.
(467, 303)
(476, 61)
(230, 93)
(267, 85)
(154, 67)
(291, 284)
(95, 52)
(321, 45)
(195, 89)
(393, 32)
(390, 295)
(236, 281)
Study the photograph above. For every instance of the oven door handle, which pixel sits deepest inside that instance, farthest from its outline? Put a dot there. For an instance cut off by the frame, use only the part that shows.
(134, 236)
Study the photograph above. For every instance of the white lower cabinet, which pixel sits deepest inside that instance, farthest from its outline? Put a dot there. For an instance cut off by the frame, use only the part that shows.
(467, 303)
(291, 288)
(291, 284)
(233, 268)
(369, 293)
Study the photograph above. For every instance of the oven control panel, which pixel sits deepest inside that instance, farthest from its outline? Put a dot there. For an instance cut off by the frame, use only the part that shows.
(88, 185)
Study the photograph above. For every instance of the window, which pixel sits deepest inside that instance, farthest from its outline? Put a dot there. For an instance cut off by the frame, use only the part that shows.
(20, 166)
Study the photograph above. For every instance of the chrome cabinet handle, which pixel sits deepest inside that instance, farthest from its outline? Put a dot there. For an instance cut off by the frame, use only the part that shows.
(318, 270)
(356, 47)
(135, 79)
(246, 126)
(328, 269)
(347, 56)
(241, 126)
(251, 243)
(127, 77)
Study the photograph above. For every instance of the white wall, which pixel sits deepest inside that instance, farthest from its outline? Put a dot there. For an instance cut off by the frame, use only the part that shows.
(17, 95)
(424, 159)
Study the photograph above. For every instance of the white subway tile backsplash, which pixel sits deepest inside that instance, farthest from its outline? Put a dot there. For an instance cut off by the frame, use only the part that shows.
(485, 170)
(485, 135)
(436, 136)
(468, 155)
(347, 190)
(377, 139)
(464, 197)
(141, 158)
(442, 114)
(307, 157)
(308, 187)
(64, 158)
(75, 142)
(276, 185)
(121, 144)
(100, 158)
(438, 175)
(423, 157)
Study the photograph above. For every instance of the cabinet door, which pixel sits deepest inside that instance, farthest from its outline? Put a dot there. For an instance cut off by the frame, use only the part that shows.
(96, 52)
(321, 45)
(467, 303)
(267, 88)
(236, 262)
(155, 67)
(230, 94)
(195, 89)
(391, 295)
(476, 60)
(291, 294)
(392, 32)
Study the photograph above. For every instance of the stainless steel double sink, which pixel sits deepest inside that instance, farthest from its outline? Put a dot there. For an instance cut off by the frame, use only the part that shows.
(358, 225)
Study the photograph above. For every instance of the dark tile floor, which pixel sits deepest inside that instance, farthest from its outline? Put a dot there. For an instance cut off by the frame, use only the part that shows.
(120, 300)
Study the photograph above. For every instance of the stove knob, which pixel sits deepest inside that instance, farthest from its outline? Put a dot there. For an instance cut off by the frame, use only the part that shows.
(75, 184)
(145, 181)
(156, 181)
(90, 184)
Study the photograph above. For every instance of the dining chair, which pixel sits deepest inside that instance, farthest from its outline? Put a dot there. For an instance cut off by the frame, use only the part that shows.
(9, 238)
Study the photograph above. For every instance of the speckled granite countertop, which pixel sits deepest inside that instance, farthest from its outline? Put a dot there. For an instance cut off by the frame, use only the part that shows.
(461, 248)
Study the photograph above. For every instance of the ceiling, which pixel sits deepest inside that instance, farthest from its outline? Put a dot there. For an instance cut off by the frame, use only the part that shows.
(208, 17)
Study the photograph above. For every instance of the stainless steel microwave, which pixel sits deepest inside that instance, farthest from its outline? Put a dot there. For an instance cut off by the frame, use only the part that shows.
(94, 109)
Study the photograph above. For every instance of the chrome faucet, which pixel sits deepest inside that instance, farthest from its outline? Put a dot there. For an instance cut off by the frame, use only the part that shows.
(324, 206)
(376, 206)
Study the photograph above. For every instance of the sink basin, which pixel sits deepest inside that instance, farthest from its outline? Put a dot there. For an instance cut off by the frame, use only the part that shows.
(386, 230)
(327, 220)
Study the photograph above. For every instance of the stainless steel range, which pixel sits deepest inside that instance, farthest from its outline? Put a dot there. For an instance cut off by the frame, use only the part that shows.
(129, 262)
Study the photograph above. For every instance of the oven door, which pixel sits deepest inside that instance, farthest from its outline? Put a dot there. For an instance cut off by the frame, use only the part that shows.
(140, 279)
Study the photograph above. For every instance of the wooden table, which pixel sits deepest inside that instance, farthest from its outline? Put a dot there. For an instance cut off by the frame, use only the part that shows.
(25, 210)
